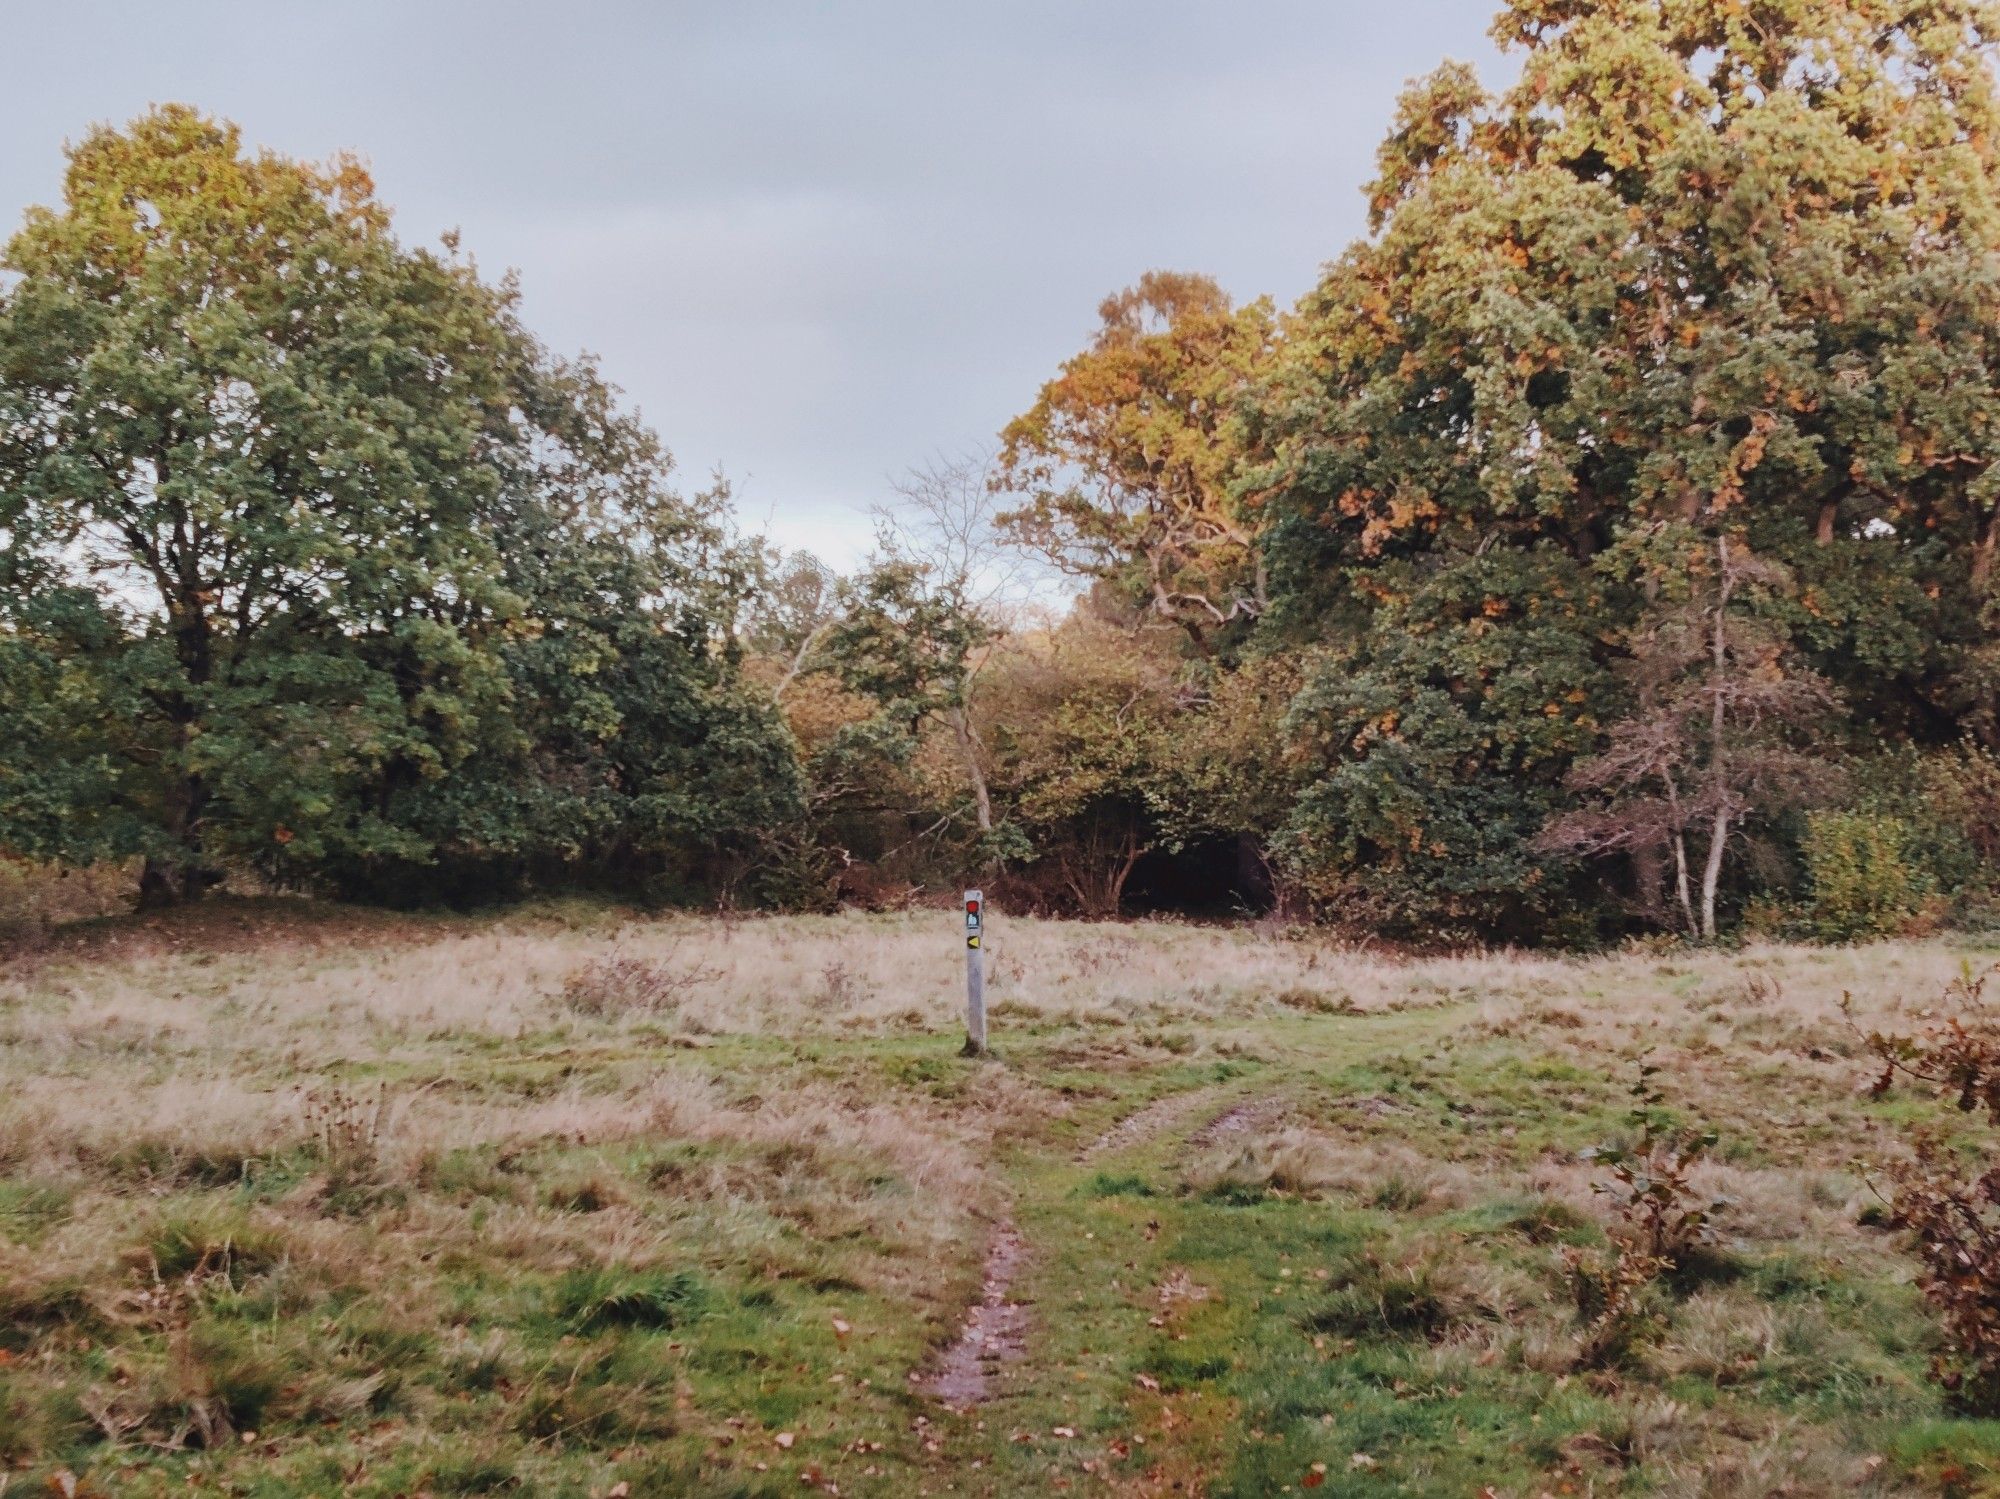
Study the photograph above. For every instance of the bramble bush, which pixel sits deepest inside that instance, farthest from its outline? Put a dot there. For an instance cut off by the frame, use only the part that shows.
(1662, 1224)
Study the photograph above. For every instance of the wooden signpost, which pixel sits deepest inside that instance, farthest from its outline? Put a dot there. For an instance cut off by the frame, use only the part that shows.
(975, 974)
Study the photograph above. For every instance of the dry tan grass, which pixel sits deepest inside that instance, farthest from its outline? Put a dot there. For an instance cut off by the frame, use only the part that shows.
(795, 974)
(804, 974)
(209, 1054)
(1310, 1161)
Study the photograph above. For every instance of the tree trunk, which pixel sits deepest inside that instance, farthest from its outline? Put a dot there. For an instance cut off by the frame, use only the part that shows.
(1123, 872)
(1711, 874)
(968, 750)
(184, 875)
(158, 885)
(174, 882)
(1982, 551)
(1718, 728)
(798, 663)
(1096, 872)
(1681, 894)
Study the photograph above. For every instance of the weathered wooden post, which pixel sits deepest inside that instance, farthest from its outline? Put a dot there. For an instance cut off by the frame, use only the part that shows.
(975, 975)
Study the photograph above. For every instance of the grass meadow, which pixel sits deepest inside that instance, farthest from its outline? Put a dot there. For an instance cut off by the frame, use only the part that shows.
(298, 1201)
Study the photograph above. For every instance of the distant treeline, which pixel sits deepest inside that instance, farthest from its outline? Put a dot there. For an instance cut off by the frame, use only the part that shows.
(1605, 545)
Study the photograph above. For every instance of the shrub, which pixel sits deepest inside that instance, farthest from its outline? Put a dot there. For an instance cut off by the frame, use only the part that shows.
(36, 896)
(1956, 1055)
(1948, 802)
(1864, 880)
(1610, 1289)
(1661, 1224)
(1954, 1228)
(1660, 1215)
(1953, 1224)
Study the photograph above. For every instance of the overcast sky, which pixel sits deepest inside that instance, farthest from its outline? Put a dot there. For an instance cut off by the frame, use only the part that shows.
(813, 242)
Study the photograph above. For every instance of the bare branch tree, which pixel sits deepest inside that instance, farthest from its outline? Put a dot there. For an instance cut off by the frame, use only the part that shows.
(1719, 734)
(946, 514)
(795, 603)
(944, 523)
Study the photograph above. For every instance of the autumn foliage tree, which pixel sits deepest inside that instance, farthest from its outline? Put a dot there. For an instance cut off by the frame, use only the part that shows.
(1126, 465)
(1707, 264)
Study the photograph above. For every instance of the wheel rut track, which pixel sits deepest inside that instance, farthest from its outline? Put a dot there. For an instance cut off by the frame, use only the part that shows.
(995, 1331)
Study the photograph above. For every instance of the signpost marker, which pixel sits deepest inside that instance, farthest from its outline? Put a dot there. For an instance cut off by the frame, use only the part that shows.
(975, 974)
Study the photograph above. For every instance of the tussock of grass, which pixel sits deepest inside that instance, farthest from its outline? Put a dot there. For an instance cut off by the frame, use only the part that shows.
(599, 1297)
(1421, 1295)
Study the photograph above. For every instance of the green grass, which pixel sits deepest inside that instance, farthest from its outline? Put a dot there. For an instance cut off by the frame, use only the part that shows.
(572, 1254)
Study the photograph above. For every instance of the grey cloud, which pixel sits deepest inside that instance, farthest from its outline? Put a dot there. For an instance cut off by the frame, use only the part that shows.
(814, 242)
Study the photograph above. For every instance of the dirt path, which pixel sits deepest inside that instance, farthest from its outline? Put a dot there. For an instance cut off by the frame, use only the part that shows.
(995, 1332)
(1251, 1114)
(1156, 1118)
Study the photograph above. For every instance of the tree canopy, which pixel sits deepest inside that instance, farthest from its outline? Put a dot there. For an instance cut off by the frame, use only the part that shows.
(305, 533)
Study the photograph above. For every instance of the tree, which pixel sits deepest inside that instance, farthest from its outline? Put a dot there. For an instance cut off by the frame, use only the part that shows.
(1699, 259)
(946, 522)
(793, 605)
(1083, 719)
(1708, 264)
(250, 435)
(1235, 771)
(1722, 731)
(1128, 459)
(631, 753)
(916, 626)
(1438, 738)
(313, 557)
(909, 640)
